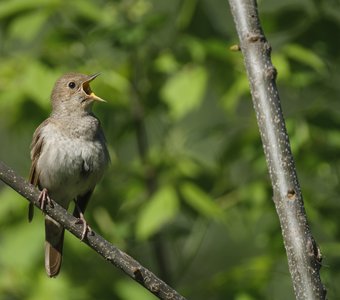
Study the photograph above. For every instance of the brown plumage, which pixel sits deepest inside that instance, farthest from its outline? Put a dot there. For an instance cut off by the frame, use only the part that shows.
(69, 156)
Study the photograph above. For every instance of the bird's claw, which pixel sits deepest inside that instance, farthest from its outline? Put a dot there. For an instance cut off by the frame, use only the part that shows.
(44, 199)
(86, 228)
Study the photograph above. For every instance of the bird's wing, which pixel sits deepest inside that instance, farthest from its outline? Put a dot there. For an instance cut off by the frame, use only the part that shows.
(102, 137)
(36, 148)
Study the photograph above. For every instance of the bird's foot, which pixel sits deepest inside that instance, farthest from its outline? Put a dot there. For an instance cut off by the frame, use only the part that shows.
(86, 228)
(44, 199)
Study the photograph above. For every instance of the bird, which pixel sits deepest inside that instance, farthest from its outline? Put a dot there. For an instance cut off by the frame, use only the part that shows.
(69, 156)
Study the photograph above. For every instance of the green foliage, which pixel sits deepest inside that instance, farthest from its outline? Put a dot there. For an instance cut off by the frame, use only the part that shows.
(200, 201)
(127, 289)
(161, 208)
(200, 193)
(184, 91)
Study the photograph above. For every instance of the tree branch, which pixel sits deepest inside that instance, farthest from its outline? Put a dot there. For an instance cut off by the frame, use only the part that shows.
(111, 253)
(304, 256)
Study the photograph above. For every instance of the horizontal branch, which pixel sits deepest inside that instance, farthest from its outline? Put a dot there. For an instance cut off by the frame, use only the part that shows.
(111, 253)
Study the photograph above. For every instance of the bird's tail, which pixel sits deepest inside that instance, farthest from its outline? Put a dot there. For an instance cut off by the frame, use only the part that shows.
(54, 240)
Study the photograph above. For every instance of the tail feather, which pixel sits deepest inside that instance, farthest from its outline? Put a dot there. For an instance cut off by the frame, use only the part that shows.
(30, 212)
(54, 235)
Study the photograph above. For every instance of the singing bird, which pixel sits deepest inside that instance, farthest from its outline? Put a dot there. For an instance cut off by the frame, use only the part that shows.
(69, 157)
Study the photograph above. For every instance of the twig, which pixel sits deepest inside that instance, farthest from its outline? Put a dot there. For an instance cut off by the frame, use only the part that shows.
(111, 253)
(304, 256)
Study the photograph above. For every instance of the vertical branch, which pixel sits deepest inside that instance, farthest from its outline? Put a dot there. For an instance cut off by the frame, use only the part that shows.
(304, 257)
(150, 173)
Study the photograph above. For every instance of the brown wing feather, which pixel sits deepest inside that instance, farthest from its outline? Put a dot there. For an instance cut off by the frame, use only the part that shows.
(36, 147)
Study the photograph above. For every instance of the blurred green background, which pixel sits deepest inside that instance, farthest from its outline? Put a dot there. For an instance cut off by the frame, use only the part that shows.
(187, 193)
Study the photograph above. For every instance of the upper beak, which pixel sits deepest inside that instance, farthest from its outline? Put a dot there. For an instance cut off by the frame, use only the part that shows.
(87, 88)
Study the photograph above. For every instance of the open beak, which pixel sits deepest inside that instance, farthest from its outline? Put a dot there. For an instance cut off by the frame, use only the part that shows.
(87, 88)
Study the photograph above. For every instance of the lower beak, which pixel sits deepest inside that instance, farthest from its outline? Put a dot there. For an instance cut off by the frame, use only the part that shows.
(94, 97)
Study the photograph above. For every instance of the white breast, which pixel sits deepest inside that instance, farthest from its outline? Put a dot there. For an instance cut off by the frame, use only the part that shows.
(69, 167)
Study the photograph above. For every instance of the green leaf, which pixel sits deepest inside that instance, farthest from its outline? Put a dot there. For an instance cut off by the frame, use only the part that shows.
(37, 81)
(194, 47)
(57, 289)
(184, 91)
(281, 63)
(160, 209)
(166, 63)
(201, 201)
(232, 96)
(116, 81)
(305, 56)
(87, 9)
(14, 7)
(128, 289)
(28, 26)
(185, 14)
(11, 205)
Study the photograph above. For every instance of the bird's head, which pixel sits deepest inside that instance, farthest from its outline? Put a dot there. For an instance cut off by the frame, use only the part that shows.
(72, 93)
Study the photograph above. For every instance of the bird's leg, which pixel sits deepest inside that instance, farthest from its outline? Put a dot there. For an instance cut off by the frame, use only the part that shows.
(44, 199)
(81, 220)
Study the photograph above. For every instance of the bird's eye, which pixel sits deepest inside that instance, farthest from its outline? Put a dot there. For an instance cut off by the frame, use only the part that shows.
(71, 85)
